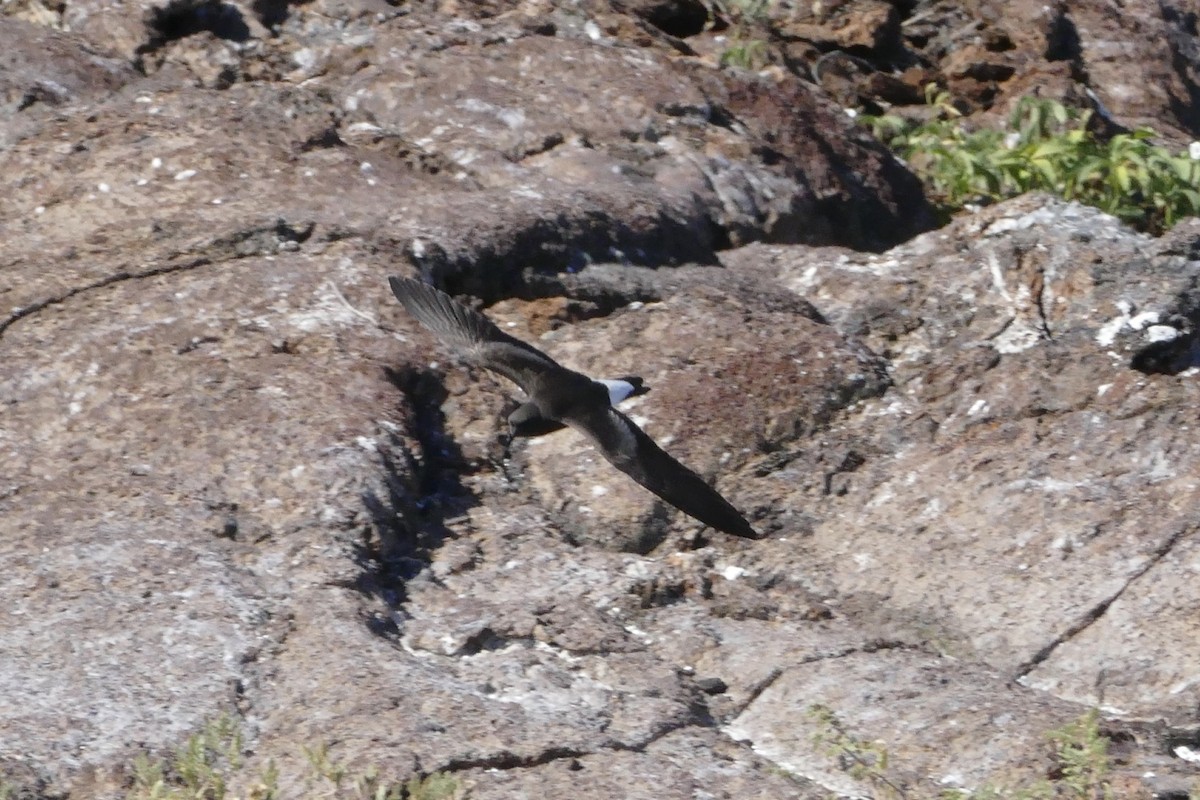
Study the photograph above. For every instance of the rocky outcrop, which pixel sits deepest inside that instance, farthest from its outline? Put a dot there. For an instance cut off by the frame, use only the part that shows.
(1036, 368)
(1135, 65)
(239, 478)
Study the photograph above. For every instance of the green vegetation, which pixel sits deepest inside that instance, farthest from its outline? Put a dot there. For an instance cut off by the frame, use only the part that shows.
(368, 785)
(1081, 754)
(1045, 147)
(196, 771)
(1083, 757)
(438, 786)
(202, 769)
(746, 53)
(744, 50)
(864, 761)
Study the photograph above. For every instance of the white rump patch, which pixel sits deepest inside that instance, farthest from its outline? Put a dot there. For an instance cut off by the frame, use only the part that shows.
(617, 390)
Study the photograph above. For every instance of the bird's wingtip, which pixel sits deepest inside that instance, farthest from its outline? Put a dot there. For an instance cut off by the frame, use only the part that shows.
(398, 285)
(747, 533)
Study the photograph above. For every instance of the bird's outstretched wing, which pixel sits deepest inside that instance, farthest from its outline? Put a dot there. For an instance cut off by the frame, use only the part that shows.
(473, 335)
(618, 439)
(633, 452)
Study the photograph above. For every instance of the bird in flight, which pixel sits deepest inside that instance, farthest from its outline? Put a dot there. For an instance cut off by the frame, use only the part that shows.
(561, 397)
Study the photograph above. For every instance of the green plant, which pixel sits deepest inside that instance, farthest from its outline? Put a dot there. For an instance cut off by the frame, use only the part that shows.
(1046, 146)
(320, 766)
(861, 760)
(1082, 754)
(267, 787)
(438, 786)
(1083, 768)
(368, 785)
(196, 771)
(203, 767)
(1080, 750)
(745, 50)
(745, 53)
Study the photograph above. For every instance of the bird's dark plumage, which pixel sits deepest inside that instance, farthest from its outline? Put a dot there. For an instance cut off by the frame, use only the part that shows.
(560, 396)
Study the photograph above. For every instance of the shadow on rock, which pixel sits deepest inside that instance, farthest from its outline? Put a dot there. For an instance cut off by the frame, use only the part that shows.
(566, 244)
(1168, 357)
(422, 491)
(182, 18)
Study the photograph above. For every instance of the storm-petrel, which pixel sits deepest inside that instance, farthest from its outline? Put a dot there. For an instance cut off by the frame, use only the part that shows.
(559, 396)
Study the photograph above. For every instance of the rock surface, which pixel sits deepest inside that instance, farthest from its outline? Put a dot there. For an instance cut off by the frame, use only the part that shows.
(238, 478)
(1136, 63)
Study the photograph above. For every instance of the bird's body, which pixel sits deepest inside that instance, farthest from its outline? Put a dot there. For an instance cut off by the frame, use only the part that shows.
(559, 397)
(562, 393)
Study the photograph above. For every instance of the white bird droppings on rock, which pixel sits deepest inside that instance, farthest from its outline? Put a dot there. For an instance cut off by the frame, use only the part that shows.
(1143, 319)
(183, 175)
(1188, 754)
(1109, 330)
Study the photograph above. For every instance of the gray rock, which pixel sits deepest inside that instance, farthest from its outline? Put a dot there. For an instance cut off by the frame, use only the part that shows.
(1035, 457)
(238, 478)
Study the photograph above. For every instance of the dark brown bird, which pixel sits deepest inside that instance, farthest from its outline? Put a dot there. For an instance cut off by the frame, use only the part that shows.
(559, 396)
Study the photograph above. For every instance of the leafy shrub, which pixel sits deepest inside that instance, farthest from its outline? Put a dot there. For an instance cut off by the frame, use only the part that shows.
(1046, 147)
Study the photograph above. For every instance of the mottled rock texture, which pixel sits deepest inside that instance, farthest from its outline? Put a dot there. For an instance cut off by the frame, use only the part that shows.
(236, 477)
(1136, 63)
